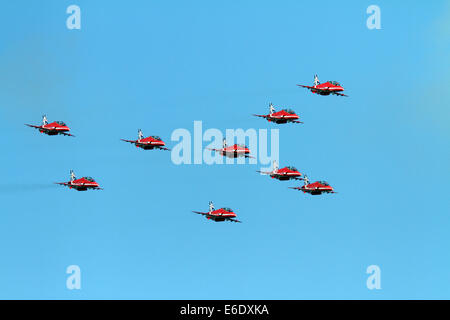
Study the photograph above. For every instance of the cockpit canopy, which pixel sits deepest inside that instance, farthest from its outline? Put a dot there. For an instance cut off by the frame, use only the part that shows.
(334, 83)
(290, 111)
(90, 179)
(241, 145)
(292, 168)
(324, 183)
(227, 209)
(61, 123)
(156, 138)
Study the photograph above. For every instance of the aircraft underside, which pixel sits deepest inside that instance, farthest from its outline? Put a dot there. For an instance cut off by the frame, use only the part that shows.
(217, 219)
(80, 188)
(233, 154)
(50, 133)
(147, 147)
(278, 121)
(316, 192)
(323, 93)
(283, 178)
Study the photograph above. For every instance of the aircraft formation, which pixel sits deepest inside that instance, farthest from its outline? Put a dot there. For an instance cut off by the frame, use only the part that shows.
(237, 150)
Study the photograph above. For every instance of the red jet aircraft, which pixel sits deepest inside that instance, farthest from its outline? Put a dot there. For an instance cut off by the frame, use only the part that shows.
(222, 214)
(325, 89)
(234, 151)
(81, 184)
(283, 116)
(315, 188)
(149, 143)
(52, 129)
(283, 174)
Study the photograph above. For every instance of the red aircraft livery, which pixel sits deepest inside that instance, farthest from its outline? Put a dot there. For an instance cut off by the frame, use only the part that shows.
(283, 116)
(52, 129)
(283, 174)
(315, 188)
(234, 151)
(222, 214)
(81, 184)
(325, 89)
(149, 143)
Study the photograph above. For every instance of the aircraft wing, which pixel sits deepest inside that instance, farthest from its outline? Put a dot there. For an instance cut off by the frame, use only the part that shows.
(66, 134)
(308, 87)
(163, 148)
(327, 90)
(62, 183)
(249, 156)
(264, 172)
(202, 213)
(313, 88)
(130, 141)
(234, 220)
(340, 94)
(140, 144)
(260, 115)
(36, 127)
(296, 121)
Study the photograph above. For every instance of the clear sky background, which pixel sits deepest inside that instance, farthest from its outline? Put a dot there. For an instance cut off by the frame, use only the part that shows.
(161, 65)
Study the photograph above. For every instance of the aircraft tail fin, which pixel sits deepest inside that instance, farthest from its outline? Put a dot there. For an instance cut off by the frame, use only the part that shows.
(316, 80)
(224, 143)
(72, 175)
(44, 120)
(140, 134)
(211, 206)
(305, 180)
(271, 108)
(275, 165)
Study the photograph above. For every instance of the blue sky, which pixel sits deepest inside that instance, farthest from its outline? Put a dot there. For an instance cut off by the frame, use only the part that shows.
(160, 66)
